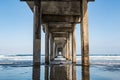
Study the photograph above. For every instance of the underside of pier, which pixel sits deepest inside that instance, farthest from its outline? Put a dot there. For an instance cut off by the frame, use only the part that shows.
(58, 19)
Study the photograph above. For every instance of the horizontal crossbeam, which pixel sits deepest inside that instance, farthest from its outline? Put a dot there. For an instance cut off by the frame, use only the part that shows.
(60, 18)
(61, 29)
(58, 0)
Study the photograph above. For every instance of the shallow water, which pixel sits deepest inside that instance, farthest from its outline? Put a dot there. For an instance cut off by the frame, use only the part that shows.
(60, 72)
(19, 67)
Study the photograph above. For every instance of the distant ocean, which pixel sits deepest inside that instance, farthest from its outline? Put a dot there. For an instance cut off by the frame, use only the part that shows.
(26, 59)
(19, 67)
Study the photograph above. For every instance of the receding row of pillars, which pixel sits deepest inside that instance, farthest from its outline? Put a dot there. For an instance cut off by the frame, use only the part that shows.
(69, 48)
(68, 51)
(37, 37)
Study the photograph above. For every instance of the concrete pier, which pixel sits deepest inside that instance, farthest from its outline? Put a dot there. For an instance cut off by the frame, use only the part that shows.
(37, 33)
(74, 45)
(46, 45)
(84, 32)
(51, 47)
(58, 19)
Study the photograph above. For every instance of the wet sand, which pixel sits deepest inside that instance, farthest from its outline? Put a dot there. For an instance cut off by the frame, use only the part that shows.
(60, 72)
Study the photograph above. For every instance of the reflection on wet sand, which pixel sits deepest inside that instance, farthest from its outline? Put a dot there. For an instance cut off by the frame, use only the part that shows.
(85, 73)
(73, 72)
(46, 72)
(36, 73)
(60, 72)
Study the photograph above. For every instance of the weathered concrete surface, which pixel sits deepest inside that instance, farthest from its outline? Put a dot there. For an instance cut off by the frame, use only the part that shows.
(84, 34)
(36, 36)
(46, 45)
(60, 16)
(51, 47)
(74, 44)
(55, 8)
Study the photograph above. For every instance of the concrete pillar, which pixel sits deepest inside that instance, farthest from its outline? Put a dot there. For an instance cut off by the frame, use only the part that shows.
(46, 45)
(56, 50)
(74, 45)
(63, 54)
(51, 47)
(70, 46)
(85, 73)
(67, 49)
(54, 55)
(64, 50)
(84, 33)
(37, 34)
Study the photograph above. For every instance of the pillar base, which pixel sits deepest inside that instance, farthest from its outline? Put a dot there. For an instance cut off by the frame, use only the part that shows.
(51, 59)
(74, 63)
(36, 64)
(87, 65)
(46, 62)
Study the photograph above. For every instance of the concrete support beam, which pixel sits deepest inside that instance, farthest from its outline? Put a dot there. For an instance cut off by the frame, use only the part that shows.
(84, 33)
(37, 34)
(56, 50)
(59, 35)
(63, 52)
(60, 18)
(66, 50)
(46, 45)
(58, 0)
(70, 46)
(69, 53)
(51, 47)
(69, 29)
(74, 45)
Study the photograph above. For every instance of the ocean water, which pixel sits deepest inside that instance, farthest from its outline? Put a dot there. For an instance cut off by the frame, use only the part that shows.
(19, 67)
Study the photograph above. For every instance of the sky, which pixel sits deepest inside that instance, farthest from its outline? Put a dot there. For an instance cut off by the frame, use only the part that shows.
(16, 27)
